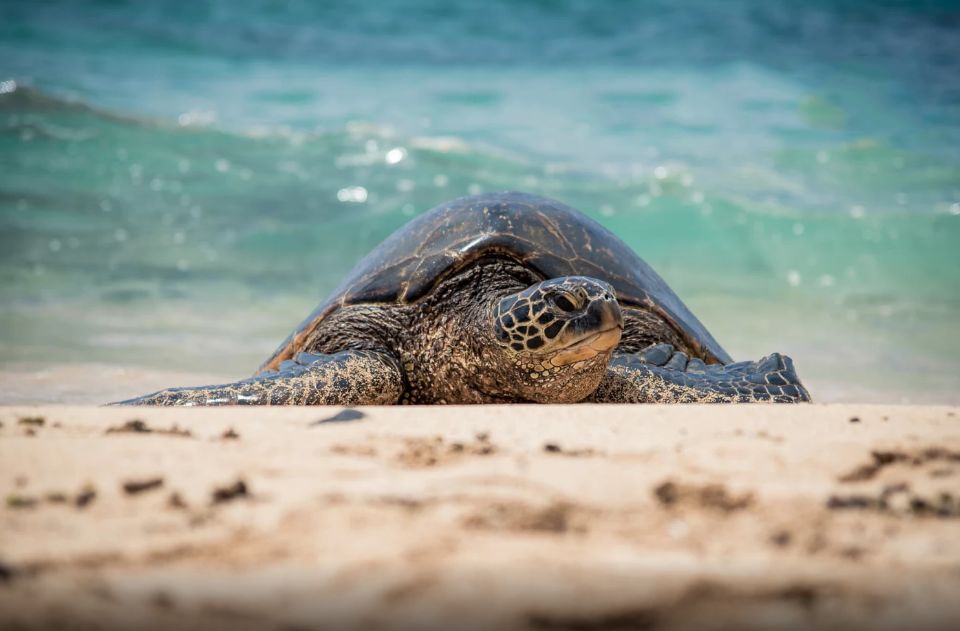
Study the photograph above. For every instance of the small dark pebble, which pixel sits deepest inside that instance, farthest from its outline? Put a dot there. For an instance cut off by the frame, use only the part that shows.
(162, 600)
(554, 448)
(138, 426)
(854, 419)
(230, 434)
(483, 436)
(343, 416)
(640, 618)
(802, 595)
(667, 493)
(56, 497)
(883, 458)
(139, 486)
(852, 501)
(176, 501)
(854, 553)
(134, 426)
(21, 501)
(6, 572)
(85, 497)
(228, 493)
(782, 538)
(36, 421)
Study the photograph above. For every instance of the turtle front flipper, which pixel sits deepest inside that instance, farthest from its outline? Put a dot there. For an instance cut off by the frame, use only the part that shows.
(659, 375)
(345, 378)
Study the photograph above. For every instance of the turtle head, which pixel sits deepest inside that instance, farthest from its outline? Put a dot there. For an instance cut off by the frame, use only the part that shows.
(558, 336)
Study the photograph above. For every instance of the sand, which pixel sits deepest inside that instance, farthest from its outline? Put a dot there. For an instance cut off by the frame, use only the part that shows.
(539, 517)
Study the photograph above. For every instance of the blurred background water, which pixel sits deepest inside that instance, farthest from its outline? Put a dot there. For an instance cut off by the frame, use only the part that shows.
(180, 183)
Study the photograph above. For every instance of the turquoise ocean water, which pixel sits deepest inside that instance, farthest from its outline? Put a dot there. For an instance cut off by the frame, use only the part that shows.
(180, 183)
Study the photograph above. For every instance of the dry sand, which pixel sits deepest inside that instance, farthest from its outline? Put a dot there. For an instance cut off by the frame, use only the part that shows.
(542, 517)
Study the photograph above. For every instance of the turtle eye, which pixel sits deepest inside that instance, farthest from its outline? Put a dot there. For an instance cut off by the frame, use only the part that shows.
(566, 302)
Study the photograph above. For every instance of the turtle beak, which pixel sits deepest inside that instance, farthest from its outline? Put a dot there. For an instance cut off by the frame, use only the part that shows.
(611, 325)
(604, 326)
(608, 313)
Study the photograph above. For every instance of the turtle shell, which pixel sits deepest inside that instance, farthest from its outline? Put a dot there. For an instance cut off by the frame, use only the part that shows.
(545, 235)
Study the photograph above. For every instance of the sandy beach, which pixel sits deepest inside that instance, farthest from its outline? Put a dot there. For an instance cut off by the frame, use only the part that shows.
(536, 517)
(466, 199)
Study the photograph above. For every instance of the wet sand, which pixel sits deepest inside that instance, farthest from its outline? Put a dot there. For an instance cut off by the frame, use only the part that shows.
(538, 517)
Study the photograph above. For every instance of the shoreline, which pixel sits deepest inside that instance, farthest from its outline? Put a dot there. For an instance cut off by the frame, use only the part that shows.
(98, 383)
(525, 516)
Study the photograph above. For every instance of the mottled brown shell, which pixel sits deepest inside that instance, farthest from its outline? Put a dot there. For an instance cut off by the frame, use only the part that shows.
(548, 237)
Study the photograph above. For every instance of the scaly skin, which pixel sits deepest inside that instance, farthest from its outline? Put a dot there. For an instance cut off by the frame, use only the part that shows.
(345, 378)
(637, 378)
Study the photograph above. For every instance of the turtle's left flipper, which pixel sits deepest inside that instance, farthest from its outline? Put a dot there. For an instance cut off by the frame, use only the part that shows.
(345, 378)
(631, 379)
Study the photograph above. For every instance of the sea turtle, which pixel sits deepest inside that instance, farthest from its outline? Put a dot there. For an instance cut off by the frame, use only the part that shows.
(496, 298)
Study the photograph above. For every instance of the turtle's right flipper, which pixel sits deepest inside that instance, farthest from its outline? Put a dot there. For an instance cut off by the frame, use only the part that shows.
(345, 378)
(660, 375)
